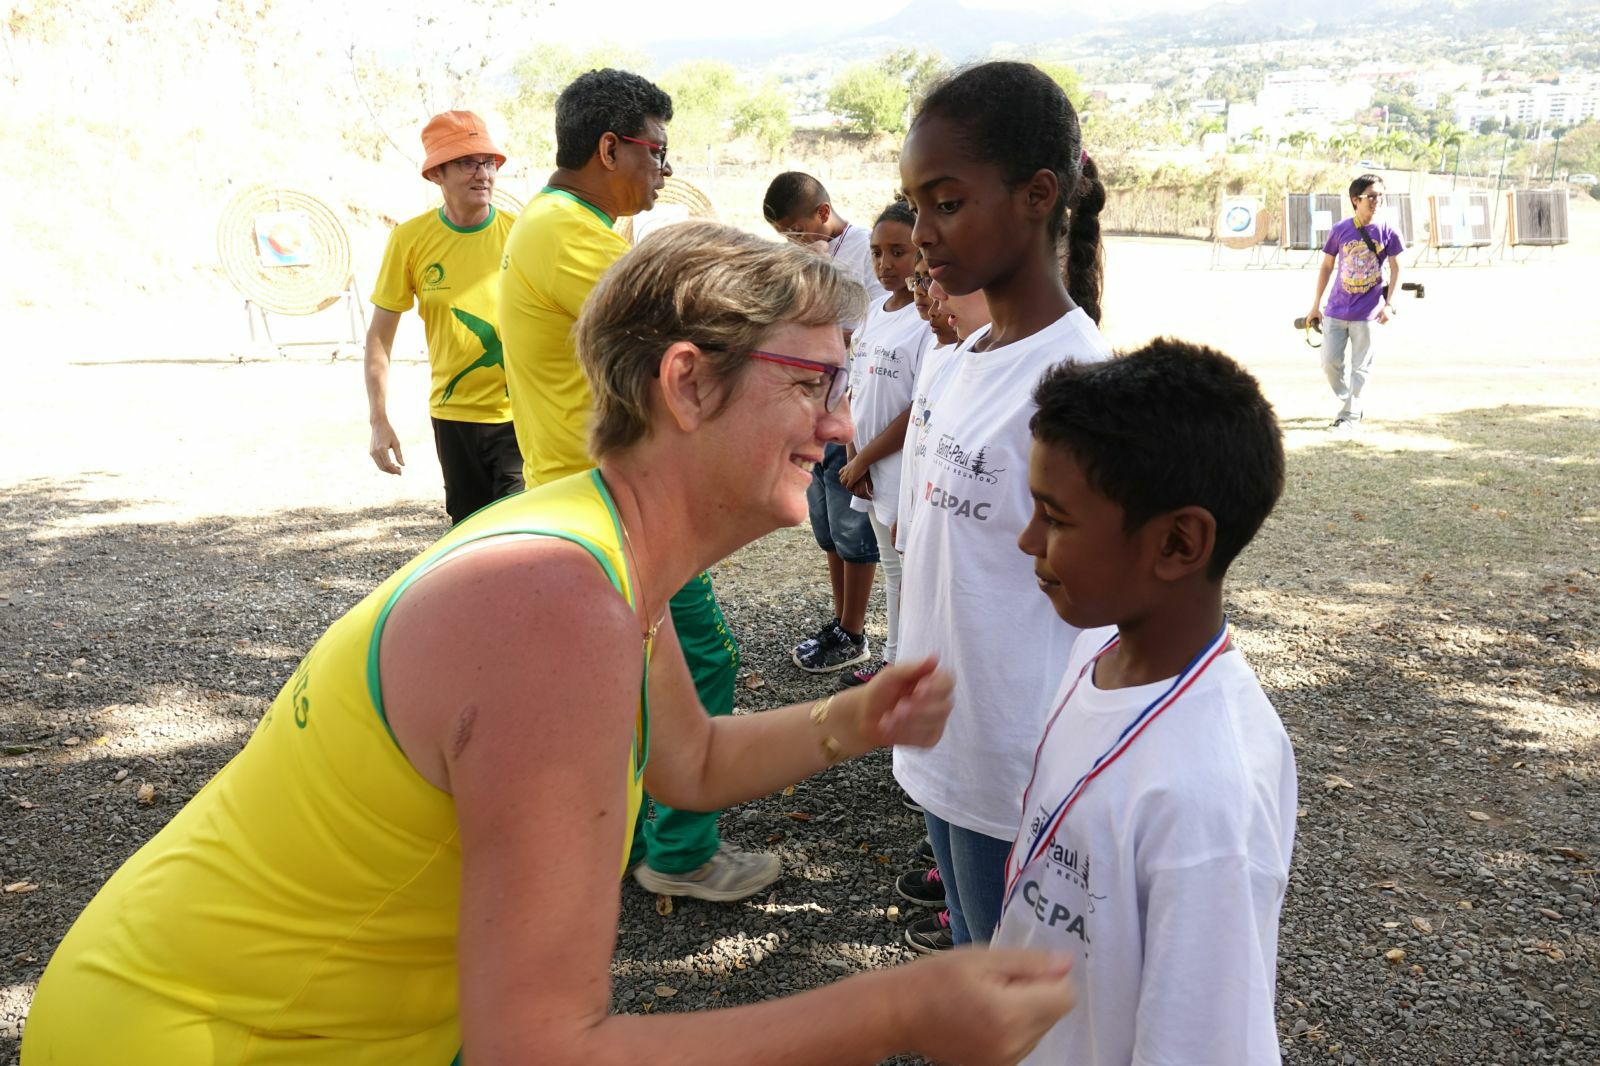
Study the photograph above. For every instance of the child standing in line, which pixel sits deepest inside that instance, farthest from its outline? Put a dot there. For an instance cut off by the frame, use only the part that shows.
(799, 209)
(1155, 837)
(883, 371)
(992, 163)
(951, 320)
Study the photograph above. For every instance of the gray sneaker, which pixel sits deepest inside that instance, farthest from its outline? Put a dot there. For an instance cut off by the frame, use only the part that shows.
(731, 874)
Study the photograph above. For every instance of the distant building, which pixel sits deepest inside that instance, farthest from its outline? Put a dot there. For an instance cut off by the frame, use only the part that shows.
(1573, 100)
(1128, 94)
(1310, 96)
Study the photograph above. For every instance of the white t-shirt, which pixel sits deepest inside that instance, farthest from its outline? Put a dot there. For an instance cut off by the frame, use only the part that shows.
(884, 363)
(968, 593)
(931, 368)
(852, 250)
(1165, 879)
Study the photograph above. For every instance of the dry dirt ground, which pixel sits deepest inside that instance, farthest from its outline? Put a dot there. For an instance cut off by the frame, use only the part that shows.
(1422, 609)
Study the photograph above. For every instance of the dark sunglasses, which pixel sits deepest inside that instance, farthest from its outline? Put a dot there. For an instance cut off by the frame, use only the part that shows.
(838, 376)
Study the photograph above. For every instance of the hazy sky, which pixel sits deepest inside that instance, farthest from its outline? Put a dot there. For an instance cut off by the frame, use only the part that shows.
(636, 22)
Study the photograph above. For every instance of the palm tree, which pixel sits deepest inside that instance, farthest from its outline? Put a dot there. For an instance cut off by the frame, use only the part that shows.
(1341, 144)
(1392, 143)
(1446, 135)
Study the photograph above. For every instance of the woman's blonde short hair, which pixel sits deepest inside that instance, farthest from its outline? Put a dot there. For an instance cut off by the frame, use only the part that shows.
(715, 286)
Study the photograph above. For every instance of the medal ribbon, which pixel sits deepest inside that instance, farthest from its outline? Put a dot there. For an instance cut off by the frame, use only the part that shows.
(1153, 710)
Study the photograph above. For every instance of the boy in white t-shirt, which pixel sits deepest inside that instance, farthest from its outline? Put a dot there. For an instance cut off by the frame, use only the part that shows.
(1157, 825)
(798, 207)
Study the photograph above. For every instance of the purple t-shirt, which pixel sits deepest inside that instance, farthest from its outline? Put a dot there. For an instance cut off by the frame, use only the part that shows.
(1357, 290)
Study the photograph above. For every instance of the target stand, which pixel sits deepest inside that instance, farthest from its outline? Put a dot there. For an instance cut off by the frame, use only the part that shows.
(1308, 218)
(1536, 223)
(678, 201)
(1460, 230)
(287, 253)
(1241, 226)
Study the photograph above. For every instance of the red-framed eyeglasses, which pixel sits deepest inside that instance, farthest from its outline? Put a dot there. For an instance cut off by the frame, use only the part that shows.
(838, 376)
(658, 152)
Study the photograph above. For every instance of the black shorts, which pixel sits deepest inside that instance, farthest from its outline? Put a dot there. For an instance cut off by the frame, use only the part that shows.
(480, 462)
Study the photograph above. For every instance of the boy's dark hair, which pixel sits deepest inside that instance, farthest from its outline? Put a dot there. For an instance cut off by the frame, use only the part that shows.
(898, 211)
(1169, 425)
(601, 102)
(1016, 117)
(791, 195)
(1362, 183)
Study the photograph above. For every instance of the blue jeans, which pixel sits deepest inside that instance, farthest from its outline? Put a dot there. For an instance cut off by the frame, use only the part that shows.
(837, 526)
(974, 870)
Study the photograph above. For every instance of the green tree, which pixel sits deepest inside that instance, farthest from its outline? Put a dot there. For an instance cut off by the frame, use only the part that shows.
(705, 100)
(538, 78)
(1580, 148)
(1064, 76)
(869, 99)
(919, 71)
(763, 116)
(1446, 136)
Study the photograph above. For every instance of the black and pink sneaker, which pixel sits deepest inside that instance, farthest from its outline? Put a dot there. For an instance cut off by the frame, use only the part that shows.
(863, 675)
(924, 887)
(931, 934)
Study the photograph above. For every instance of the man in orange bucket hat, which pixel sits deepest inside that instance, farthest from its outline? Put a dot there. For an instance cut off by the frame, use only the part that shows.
(446, 262)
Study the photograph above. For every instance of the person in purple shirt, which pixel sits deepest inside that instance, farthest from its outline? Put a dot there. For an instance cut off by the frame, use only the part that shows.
(1356, 251)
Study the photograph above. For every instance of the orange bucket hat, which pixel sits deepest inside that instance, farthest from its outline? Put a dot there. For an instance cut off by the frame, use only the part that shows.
(454, 134)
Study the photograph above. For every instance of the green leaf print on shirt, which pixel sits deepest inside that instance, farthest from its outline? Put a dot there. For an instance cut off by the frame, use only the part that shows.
(493, 354)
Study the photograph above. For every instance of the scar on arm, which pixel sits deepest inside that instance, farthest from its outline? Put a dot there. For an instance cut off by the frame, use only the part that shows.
(463, 732)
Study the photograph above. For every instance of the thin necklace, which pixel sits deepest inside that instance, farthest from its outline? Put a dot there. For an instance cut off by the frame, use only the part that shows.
(627, 540)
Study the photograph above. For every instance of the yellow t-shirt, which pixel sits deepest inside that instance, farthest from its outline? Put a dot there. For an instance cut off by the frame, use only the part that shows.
(302, 908)
(453, 276)
(556, 253)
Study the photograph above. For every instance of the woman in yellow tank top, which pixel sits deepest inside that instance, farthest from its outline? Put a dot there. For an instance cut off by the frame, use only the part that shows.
(415, 858)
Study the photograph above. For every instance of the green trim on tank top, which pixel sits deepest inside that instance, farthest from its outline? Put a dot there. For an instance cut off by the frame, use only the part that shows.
(641, 736)
(374, 681)
(575, 198)
(479, 228)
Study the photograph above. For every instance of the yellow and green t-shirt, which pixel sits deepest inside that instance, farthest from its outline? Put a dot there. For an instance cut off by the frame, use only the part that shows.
(554, 257)
(452, 274)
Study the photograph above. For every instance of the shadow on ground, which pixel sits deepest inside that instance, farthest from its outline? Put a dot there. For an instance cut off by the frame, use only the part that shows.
(1421, 609)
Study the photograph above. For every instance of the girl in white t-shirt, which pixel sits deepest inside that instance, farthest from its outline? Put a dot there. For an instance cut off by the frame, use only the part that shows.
(951, 320)
(992, 163)
(886, 352)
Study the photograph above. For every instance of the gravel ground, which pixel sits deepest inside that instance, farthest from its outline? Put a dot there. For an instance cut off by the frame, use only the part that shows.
(1422, 610)
(1444, 718)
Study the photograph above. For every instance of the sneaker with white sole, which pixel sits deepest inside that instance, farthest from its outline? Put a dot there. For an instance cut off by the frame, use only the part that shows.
(923, 887)
(731, 874)
(863, 675)
(931, 934)
(813, 644)
(840, 650)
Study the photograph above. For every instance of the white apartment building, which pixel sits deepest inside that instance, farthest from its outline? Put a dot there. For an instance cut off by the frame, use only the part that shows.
(1571, 101)
(1311, 93)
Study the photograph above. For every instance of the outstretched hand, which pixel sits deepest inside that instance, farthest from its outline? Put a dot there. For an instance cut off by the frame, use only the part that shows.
(1009, 999)
(906, 703)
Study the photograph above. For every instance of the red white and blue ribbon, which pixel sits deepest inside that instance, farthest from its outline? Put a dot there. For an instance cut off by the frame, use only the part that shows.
(1130, 733)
